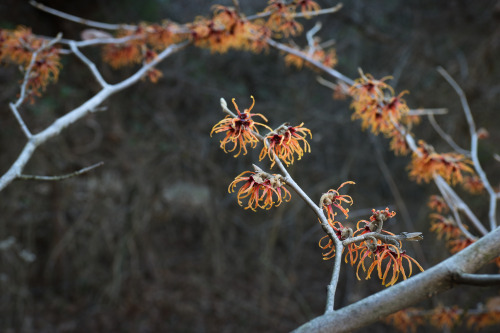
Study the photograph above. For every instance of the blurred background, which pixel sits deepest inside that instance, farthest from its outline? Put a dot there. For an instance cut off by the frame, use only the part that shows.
(152, 241)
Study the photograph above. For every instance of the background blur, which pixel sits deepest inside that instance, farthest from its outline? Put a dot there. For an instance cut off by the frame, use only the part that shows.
(152, 242)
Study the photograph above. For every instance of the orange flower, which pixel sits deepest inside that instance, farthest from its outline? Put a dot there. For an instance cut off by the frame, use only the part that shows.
(398, 143)
(333, 198)
(457, 245)
(379, 253)
(17, 46)
(404, 320)
(342, 233)
(445, 318)
(444, 226)
(307, 6)
(473, 184)
(285, 142)
(259, 188)
(240, 130)
(128, 53)
(437, 203)
(426, 163)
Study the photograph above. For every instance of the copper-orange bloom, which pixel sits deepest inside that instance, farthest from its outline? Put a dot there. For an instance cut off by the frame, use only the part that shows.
(240, 130)
(285, 142)
(342, 233)
(333, 198)
(426, 163)
(260, 188)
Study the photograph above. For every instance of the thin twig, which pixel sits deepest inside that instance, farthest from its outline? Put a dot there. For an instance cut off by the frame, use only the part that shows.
(474, 144)
(453, 200)
(61, 177)
(336, 74)
(89, 64)
(423, 112)
(310, 38)
(447, 137)
(80, 20)
(330, 10)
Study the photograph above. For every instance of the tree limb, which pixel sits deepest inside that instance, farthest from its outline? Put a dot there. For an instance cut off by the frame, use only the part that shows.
(424, 285)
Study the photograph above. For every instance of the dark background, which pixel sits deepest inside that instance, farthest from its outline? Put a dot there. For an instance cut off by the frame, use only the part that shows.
(152, 242)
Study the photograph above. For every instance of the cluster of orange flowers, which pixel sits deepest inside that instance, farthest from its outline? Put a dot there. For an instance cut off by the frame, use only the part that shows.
(327, 57)
(445, 226)
(426, 163)
(142, 44)
(283, 143)
(384, 257)
(446, 318)
(379, 109)
(227, 29)
(17, 46)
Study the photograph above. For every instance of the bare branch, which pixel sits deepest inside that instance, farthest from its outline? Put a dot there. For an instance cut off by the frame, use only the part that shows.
(61, 177)
(310, 38)
(423, 112)
(474, 144)
(89, 64)
(454, 201)
(445, 136)
(330, 71)
(80, 20)
(89, 106)
(330, 10)
(426, 284)
(482, 280)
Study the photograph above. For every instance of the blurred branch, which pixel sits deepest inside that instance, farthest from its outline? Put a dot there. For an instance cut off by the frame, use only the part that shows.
(445, 136)
(61, 177)
(474, 144)
(332, 72)
(482, 280)
(330, 10)
(89, 64)
(80, 20)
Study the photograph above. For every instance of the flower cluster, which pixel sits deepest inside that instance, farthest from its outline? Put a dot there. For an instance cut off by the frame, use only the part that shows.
(426, 163)
(284, 142)
(447, 318)
(326, 57)
(260, 188)
(385, 256)
(379, 109)
(18, 46)
(240, 130)
(445, 226)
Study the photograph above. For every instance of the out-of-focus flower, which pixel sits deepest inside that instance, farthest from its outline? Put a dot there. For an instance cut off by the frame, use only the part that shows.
(437, 203)
(444, 226)
(426, 163)
(407, 319)
(473, 184)
(444, 317)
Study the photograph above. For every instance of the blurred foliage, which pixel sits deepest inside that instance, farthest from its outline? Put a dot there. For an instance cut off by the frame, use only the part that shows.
(151, 241)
